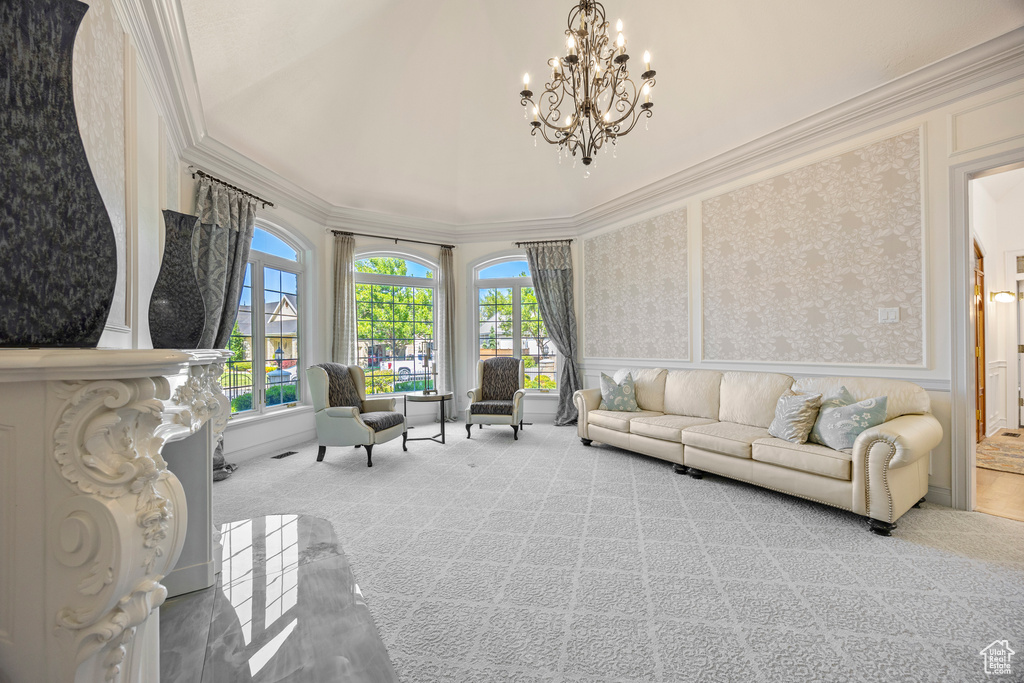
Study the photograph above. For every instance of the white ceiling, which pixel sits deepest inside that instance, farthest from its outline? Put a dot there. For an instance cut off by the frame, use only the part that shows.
(411, 107)
(1000, 185)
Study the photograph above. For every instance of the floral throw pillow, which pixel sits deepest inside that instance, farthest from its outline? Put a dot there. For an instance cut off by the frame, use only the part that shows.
(840, 420)
(795, 415)
(620, 396)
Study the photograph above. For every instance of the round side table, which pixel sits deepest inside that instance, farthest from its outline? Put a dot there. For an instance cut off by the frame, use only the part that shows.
(428, 398)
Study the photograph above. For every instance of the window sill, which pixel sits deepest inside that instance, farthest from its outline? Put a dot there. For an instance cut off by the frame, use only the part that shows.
(295, 411)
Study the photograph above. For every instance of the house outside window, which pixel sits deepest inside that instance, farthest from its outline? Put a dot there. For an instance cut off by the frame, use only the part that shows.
(262, 374)
(509, 320)
(395, 296)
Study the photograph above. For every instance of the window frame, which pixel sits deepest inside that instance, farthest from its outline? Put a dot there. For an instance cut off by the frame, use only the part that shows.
(362, 278)
(516, 284)
(256, 262)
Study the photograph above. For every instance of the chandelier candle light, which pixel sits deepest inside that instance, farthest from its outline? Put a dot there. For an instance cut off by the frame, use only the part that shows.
(591, 86)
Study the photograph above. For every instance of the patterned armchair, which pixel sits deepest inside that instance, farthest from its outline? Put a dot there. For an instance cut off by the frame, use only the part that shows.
(498, 398)
(345, 417)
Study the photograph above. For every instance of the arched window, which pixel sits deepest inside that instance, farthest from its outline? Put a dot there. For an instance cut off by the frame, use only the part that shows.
(263, 373)
(395, 296)
(509, 320)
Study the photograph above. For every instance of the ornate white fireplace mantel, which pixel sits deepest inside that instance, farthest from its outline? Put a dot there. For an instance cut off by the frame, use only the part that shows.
(92, 519)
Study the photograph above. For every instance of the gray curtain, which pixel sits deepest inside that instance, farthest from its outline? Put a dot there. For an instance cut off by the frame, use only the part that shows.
(551, 268)
(446, 330)
(220, 250)
(343, 346)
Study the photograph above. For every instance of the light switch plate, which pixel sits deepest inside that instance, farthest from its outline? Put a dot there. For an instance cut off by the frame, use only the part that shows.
(888, 315)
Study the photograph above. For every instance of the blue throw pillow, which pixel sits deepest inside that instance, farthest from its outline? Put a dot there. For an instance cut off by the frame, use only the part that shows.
(621, 396)
(841, 420)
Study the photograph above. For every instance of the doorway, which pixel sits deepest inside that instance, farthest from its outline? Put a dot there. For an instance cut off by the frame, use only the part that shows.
(996, 214)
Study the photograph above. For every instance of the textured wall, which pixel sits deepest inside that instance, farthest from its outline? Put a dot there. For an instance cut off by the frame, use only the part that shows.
(98, 78)
(796, 267)
(636, 291)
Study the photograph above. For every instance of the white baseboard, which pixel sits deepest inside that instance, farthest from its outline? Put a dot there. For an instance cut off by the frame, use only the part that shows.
(270, 447)
(940, 496)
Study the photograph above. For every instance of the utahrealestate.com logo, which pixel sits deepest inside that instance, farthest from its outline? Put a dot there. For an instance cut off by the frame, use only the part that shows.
(997, 658)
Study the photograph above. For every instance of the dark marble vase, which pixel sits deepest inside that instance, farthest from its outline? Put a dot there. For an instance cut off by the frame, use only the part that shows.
(177, 314)
(58, 256)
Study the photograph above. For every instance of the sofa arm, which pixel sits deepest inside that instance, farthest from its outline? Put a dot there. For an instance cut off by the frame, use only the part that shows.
(585, 400)
(371, 405)
(911, 438)
(890, 470)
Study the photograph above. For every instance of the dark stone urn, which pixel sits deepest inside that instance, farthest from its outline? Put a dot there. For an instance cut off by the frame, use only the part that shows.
(58, 259)
(177, 314)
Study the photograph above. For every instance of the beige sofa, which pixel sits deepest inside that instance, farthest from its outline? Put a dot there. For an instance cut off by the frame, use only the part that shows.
(709, 421)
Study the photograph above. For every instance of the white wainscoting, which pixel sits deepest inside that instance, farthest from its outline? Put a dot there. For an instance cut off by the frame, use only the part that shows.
(995, 396)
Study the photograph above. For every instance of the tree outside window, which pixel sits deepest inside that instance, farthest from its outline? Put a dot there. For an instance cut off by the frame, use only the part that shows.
(510, 323)
(395, 324)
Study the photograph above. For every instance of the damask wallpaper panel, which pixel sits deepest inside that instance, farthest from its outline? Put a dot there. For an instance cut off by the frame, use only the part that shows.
(795, 267)
(98, 81)
(635, 285)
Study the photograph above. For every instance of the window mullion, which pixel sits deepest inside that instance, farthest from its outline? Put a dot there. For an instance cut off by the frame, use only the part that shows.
(517, 321)
(259, 345)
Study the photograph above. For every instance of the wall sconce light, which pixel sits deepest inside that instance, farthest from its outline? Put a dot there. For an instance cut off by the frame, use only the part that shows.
(1002, 297)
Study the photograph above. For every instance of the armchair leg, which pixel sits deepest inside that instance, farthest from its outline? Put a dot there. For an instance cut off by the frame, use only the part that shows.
(695, 473)
(918, 503)
(586, 442)
(369, 452)
(320, 454)
(405, 438)
(480, 426)
(881, 528)
(469, 431)
(515, 432)
(680, 469)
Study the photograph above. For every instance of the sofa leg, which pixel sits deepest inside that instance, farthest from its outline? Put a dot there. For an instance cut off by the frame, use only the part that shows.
(405, 439)
(369, 452)
(469, 431)
(515, 432)
(680, 469)
(694, 472)
(918, 503)
(320, 454)
(586, 442)
(480, 426)
(881, 528)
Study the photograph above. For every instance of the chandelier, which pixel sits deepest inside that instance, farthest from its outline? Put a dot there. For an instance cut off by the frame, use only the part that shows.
(591, 100)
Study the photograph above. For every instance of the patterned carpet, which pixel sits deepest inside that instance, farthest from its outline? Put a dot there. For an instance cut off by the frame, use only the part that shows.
(490, 560)
(1002, 453)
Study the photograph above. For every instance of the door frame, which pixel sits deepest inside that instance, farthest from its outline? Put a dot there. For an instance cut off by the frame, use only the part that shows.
(961, 294)
(980, 366)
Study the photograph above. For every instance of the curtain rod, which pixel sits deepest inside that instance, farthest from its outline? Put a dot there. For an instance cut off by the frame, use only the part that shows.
(204, 174)
(396, 239)
(522, 244)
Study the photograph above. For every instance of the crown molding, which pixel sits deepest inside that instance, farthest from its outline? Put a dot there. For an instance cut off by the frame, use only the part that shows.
(157, 26)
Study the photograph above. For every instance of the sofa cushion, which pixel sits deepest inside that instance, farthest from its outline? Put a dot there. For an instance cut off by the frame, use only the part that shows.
(806, 457)
(693, 393)
(616, 419)
(728, 438)
(650, 386)
(665, 427)
(618, 395)
(903, 398)
(794, 416)
(750, 398)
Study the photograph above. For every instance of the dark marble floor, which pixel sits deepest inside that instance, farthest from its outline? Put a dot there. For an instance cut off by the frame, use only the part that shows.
(285, 608)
